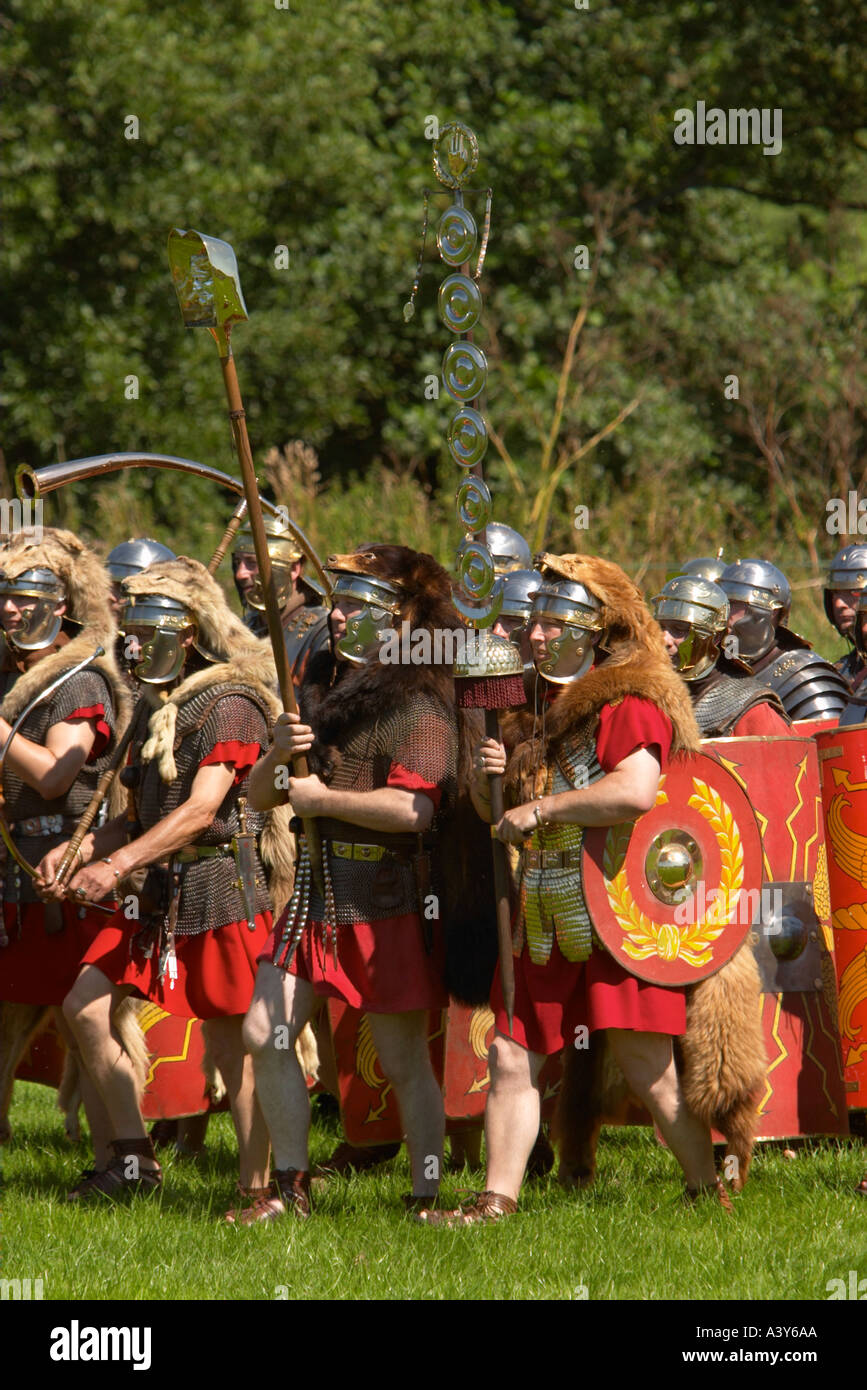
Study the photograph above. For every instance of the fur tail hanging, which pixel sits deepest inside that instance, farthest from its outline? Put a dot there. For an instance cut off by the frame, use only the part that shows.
(722, 1055)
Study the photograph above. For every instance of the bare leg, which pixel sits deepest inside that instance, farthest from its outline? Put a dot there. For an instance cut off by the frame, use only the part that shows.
(511, 1114)
(88, 1008)
(227, 1049)
(98, 1118)
(401, 1041)
(281, 1005)
(647, 1062)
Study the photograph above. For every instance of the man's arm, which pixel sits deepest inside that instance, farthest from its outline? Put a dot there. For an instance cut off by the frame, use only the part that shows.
(50, 768)
(624, 793)
(181, 827)
(388, 809)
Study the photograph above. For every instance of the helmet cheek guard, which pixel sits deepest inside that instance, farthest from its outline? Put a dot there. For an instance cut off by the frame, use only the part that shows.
(701, 606)
(160, 657)
(755, 632)
(151, 626)
(378, 602)
(283, 584)
(572, 642)
(39, 622)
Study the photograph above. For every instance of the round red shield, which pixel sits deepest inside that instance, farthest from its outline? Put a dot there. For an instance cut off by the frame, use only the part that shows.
(673, 894)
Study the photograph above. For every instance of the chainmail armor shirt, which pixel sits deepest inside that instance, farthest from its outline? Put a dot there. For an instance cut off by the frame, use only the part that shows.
(87, 690)
(414, 747)
(209, 897)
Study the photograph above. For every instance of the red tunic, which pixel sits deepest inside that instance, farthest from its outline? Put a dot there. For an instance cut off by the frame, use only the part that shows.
(762, 721)
(37, 967)
(553, 999)
(216, 970)
(382, 967)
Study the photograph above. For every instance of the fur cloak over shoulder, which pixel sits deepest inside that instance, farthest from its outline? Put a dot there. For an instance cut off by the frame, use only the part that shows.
(241, 660)
(335, 707)
(633, 662)
(88, 588)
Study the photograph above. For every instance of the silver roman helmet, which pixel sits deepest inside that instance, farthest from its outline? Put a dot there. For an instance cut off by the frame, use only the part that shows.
(284, 552)
(380, 602)
(565, 601)
(37, 593)
(706, 567)
(150, 626)
(519, 586)
(766, 593)
(701, 606)
(848, 574)
(134, 555)
(509, 549)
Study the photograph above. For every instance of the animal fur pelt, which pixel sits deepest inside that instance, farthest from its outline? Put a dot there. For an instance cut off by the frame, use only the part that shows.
(722, 1055)
(721, 1062)
(240, 659)
(336, 699)
(88, 623)
(631, 660)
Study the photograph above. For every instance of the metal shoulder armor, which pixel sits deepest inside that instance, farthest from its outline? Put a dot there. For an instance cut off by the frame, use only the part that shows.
(809, 686)
(306, 632)
(719, 709)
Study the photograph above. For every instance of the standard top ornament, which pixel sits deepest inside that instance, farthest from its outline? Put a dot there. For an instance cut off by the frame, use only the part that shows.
(455, 154)
(207, 282)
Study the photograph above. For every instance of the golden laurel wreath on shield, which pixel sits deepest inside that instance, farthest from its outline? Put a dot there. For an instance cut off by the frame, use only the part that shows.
(691, 942)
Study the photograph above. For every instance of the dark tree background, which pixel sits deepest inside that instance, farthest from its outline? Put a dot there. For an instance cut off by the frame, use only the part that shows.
(304, 127)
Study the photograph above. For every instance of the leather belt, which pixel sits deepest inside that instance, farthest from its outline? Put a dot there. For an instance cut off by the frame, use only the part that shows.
(190, 853)
(353, 849)
(551, 858)
(34, 826)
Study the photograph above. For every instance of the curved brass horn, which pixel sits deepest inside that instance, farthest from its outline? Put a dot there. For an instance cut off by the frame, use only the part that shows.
(37, 482)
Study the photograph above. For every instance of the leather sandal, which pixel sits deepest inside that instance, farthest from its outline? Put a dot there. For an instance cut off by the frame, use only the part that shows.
(257, 1204)
(715, 1189)
(83, 1181)
(482, 1210)
(289, 1191)
(116, 1181)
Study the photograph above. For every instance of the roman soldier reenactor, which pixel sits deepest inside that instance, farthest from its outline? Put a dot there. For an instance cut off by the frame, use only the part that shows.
(760, 599)
(302, 612)
(384, 740)
(55, 612)
(203, 913)
(726, 700)
(844, 586)
(590, 754)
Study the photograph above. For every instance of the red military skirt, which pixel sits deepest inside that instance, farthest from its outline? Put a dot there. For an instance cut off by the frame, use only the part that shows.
(38, 968)
(553, 1000)
(382, 967)
(216, 969)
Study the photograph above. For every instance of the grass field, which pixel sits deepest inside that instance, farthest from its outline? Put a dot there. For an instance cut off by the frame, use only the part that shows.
(798, 1225)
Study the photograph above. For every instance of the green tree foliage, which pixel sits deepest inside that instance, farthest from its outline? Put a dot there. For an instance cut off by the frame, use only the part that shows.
(304, 128)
